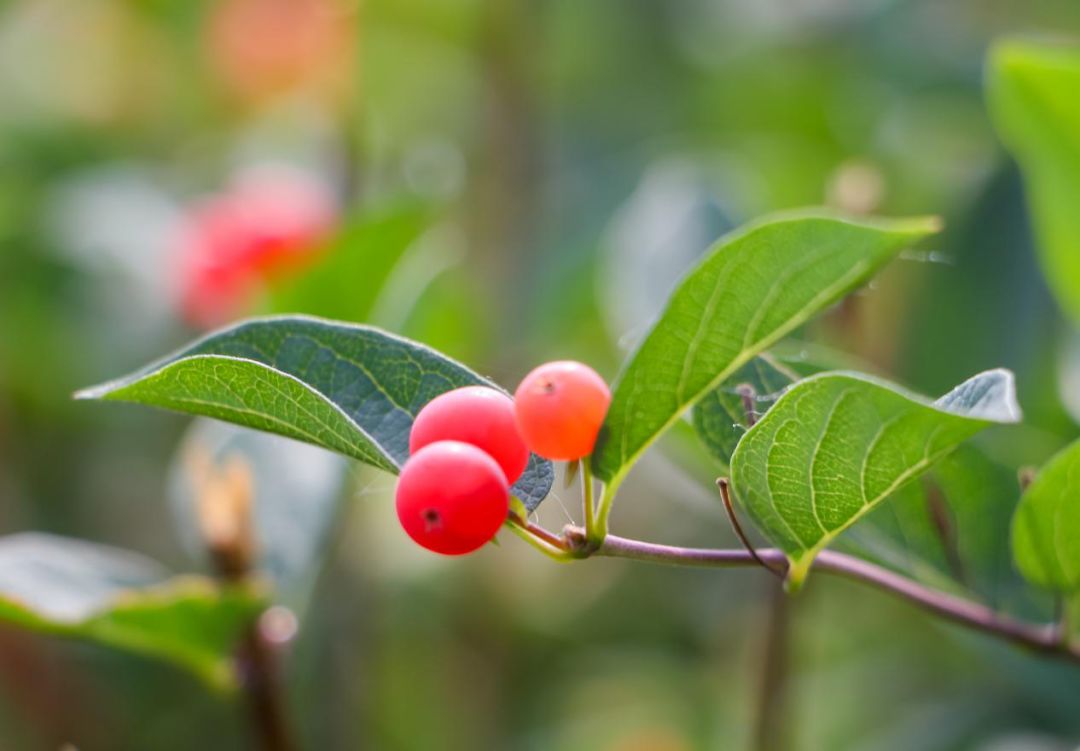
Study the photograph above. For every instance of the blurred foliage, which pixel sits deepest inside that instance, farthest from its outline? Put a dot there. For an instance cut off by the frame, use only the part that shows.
(507, 152)
(59, 586)
(1032, 90)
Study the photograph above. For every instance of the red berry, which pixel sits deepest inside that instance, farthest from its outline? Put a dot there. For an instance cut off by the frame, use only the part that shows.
(452, 497)
(560, 407)
(281, 219)
(211, 295)
(269, 224)
(478, 415)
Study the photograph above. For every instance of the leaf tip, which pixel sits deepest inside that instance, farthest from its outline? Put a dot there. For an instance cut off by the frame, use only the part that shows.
(917, 227)
(93, 393)
(933, 224)
(990, 395)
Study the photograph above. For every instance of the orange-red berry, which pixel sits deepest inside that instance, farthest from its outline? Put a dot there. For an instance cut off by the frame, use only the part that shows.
(560, 407)
(452, 497)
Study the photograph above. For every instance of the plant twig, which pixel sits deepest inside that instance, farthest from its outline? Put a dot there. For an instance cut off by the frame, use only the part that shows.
(725, 494)
(547, 543)
(748, 395)
(260, 676)
(771, 719)
(224, 515)
(1039, 638)
(942, 522)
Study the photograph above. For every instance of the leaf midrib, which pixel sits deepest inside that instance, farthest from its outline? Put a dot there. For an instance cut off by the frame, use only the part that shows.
(902, 478)
(347, 440)
(807, 311)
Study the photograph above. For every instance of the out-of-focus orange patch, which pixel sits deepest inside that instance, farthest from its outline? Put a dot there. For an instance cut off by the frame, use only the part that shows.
(263, 48)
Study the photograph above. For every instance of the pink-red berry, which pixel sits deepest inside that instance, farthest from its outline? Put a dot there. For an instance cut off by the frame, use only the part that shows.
(269, 224)
(560, 407)
(452, 497)
(477, 415)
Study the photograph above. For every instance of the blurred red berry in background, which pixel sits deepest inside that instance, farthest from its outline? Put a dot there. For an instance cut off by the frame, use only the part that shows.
(269, 224)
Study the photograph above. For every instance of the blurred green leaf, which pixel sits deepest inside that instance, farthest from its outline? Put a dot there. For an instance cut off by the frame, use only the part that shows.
(1033, 89)
(1046, 529)
(68, 587)
(757, 285)
(347, 282)
(837, 444)
(675, 213)
(345, 387)
(951, 531)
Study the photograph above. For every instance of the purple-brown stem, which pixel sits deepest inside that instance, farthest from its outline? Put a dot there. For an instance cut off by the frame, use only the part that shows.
(722, 483)
(1044, 639)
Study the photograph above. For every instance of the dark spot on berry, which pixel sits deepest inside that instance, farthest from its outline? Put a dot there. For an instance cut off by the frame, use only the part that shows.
(432, 520)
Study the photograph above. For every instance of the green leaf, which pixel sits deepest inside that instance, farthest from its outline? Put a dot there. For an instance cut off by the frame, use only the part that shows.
(951, 532)
(349, 388)
(71, 588)
(837, 444)
(1032, 88)
(720, 417)
(1046, 528)
(754, 287)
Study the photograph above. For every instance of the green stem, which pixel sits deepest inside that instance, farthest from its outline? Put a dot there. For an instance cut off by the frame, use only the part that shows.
(587, 495)
(539, 538)
(600, 529)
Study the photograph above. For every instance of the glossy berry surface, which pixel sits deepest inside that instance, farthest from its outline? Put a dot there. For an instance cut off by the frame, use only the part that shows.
(560, 407)
(477, 415)
(452, 497)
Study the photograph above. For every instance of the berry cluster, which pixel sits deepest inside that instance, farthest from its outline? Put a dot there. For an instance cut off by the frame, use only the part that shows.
(468, 446)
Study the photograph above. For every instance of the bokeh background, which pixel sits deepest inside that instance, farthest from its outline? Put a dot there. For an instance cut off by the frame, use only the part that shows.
(510, 181)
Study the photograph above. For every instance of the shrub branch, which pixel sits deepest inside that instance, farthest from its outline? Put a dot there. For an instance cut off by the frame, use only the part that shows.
(1044, 639)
